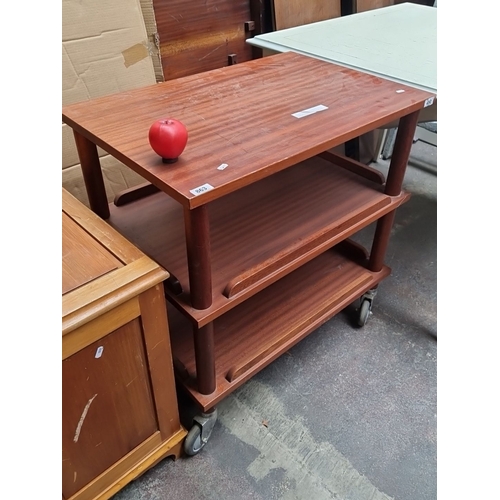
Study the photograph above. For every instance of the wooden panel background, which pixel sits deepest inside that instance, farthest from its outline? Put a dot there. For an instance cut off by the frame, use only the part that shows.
(200, 35)
(196, 35)
(363, 5)
(428, 3)
(290, 13)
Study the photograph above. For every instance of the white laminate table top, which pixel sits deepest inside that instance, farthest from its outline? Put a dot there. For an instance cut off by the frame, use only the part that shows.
(398, 42)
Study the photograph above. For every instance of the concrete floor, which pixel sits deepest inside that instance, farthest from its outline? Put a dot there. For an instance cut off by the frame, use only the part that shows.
(349, 413)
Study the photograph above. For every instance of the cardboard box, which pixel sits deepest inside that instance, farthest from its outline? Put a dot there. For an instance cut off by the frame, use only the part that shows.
(148, 14)
(105, 50)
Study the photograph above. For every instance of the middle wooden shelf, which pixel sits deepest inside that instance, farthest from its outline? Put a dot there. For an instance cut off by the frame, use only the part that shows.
(259, 233)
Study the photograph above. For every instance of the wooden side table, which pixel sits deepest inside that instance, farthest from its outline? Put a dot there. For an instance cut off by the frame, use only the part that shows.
(119, 405)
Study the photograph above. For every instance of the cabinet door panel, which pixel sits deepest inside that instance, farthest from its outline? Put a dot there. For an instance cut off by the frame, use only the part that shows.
(107, 405)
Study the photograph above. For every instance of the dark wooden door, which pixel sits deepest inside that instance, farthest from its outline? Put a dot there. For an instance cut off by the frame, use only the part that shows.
(200, 35)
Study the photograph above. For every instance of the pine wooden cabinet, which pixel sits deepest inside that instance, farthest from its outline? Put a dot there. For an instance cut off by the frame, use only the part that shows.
(119, 405)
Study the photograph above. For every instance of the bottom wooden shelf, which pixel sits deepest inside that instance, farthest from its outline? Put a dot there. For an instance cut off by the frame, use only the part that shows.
(256, 332)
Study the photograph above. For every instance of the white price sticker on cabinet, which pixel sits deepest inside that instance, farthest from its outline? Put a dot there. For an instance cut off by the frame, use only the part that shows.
(201, 189)
(309, 111)
(429, 102)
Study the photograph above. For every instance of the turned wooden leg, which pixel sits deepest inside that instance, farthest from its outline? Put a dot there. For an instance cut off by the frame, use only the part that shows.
(394, 183)
(200, 285)
(205, 358)
(401, 153)
(198, 254)
(381, 242)
(92, 175)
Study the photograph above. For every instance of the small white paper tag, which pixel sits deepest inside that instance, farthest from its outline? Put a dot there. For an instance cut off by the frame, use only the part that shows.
(400, 91)
(201, 189)
(98, 353)
(222, 166)
(428, 102)
(309, 111)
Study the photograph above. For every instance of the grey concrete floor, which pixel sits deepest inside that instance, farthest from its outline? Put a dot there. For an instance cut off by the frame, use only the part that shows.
(349, 413)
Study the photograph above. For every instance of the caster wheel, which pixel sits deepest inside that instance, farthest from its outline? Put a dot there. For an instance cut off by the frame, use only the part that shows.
(364, 312)
(199, 434)
(193, 442)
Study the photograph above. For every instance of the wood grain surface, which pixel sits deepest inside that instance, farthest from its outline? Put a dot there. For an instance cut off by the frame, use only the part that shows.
(83, 258)
(255, 333)
(259, 233)
(242, 116)
(290, 13)
(198, 36)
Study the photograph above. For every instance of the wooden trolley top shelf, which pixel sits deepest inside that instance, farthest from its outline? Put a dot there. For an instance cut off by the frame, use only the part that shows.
(244, 117)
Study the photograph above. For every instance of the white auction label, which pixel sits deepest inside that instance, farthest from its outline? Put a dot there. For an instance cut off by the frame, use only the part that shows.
(98, 353)
(428, 102)
(201, 189)
(222, 166)
(309, 111)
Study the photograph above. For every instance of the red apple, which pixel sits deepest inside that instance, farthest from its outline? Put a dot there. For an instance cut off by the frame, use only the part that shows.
(168, 138)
